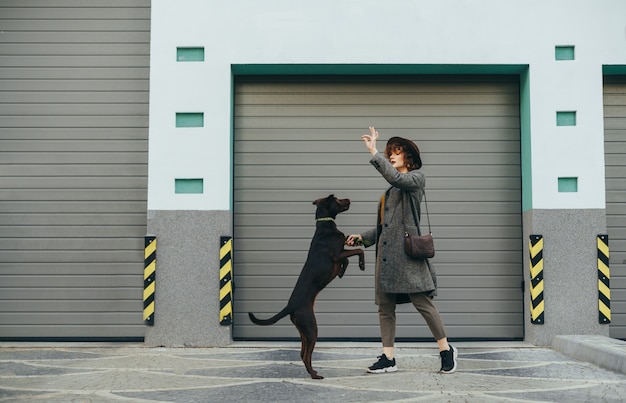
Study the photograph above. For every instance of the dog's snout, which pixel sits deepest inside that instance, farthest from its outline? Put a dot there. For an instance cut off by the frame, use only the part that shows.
(344, 203)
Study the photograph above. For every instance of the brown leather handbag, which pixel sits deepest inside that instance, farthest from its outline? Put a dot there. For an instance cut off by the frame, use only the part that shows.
(419, 246)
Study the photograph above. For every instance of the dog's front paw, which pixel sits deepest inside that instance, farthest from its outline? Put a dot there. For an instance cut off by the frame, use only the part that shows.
(342, 269)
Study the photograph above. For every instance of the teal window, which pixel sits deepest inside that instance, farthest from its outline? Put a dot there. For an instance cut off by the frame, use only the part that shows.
(189, 119)
(189, 54)
(568, 185)
(187, 186)
(566, 118)
(564, 53)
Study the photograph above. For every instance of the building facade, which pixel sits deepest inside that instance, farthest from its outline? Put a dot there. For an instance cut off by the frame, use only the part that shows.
(256, 109)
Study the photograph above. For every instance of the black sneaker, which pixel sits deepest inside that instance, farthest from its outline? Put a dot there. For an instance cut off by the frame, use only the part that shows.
(448, 360)
(383, 364)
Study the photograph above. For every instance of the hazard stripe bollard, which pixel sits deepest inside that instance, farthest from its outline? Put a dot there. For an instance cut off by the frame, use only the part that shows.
(149, 278)
(604, 278)
(536, 280)
(226, 281)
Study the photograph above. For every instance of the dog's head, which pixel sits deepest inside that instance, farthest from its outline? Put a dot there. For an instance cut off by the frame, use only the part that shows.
(330, 206)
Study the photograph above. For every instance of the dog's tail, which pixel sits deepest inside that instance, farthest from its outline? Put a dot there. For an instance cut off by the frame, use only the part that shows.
(264, 322)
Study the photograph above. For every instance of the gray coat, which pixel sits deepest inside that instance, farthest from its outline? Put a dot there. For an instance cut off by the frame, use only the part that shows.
(396, 272)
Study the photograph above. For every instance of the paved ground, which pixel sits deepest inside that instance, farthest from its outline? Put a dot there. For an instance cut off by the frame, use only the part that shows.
(273, 372)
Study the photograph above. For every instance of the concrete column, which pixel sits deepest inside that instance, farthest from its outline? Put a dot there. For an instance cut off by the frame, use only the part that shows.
(570, 273)
(187, 278)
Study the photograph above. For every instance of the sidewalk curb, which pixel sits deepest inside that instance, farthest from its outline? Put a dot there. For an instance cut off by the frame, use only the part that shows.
(602, 351)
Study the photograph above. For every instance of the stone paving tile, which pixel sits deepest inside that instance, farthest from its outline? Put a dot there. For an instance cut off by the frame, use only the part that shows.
(110, 380)
(20, 369)
(565, 370)
(263, 370)
(409, 381)
(39, 354)
(283, 355)
(9, 396)
(76, 397)
(606, 393)
(284, 391)
(538, 354)
(157, 362)
(267, 374)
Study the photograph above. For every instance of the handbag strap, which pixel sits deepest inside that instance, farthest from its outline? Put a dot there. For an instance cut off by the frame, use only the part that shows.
(415, 215)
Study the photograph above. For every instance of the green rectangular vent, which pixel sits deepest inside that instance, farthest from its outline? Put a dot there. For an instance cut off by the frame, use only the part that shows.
(568, 185)
(566, 118)
(189, 54)
(189, 119)
(564, 53)
(186, 186)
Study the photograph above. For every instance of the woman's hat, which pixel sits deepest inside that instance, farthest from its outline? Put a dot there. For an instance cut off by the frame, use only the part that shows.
(410, 147)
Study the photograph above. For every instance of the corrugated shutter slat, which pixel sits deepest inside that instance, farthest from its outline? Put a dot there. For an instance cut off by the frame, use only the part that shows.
(298, 140)
(73, 168)
(615, 162)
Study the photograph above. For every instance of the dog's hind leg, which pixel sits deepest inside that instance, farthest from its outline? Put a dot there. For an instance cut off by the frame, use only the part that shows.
(307, 327)
(308, 344)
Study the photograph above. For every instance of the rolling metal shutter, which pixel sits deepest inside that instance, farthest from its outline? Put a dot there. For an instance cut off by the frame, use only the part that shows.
(298, 140)
(73, 168)
(615, 160)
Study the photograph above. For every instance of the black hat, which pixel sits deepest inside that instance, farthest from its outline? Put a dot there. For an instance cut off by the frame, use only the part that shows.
(410, 147)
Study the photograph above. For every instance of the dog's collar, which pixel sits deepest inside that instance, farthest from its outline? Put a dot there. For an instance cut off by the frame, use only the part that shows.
(324, 219)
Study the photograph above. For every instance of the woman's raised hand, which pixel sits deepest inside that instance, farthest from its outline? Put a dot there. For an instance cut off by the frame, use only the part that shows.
(370, 140)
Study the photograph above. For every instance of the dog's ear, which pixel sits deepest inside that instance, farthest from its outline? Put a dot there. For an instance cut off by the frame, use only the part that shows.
(326, 199)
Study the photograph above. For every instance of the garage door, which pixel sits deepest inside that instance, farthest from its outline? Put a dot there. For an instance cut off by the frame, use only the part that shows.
(615, 160)
(73, 168)
(298, 140)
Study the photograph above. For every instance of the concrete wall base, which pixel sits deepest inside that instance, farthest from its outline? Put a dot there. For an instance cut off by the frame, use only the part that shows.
(187, 278)
(570, 273)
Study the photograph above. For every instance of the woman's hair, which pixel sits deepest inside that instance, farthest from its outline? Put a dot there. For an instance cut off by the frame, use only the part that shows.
(393, 148)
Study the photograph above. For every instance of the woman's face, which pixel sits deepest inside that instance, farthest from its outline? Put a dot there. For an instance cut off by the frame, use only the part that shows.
(397, 160)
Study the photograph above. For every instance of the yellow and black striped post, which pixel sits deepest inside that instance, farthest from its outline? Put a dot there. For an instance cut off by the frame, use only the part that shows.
(149, 278)
(536, 280)
(226, 281)
(604, 277)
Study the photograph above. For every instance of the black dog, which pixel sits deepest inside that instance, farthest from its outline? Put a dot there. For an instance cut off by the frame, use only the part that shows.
(327, 259)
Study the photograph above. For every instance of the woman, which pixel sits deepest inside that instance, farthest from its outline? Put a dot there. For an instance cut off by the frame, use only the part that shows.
(400, 278)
